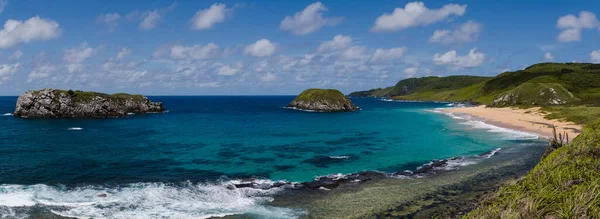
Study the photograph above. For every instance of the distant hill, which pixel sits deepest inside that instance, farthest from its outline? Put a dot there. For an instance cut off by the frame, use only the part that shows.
(538, 85)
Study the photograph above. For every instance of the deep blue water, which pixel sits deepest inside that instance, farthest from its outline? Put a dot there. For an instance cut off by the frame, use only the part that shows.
(204, 139)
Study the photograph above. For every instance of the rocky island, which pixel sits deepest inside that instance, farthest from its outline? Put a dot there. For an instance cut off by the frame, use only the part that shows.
(53, 103)
(323, 100)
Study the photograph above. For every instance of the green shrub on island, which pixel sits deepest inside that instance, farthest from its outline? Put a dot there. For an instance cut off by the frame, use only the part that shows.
(323, 100)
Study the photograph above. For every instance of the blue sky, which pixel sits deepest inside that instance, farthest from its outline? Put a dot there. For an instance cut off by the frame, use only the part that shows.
(280, 47)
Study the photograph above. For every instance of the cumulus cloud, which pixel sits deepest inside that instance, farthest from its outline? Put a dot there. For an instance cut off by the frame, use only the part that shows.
(208, 51)
(416, 14)
(78, 54)
(261, 48)
(354, 53)
(40, 72)
(595, 56)
(548, 57)
(16, 55)
(308, 20)
(149, 20)
(467, 32)
(110, 20)
(206, 18)
(124, 52)
(388, 54)
(33, 29)
(451, 59)
(338, 42)
(7, 71)
(411, 71)
(269, 77)
(571, 25)
(227, 70)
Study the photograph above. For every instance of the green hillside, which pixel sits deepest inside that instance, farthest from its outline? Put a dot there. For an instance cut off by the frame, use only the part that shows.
(544, 84)
(565, 184)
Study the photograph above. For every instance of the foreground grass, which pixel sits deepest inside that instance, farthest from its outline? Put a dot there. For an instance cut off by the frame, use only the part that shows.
(565, 184)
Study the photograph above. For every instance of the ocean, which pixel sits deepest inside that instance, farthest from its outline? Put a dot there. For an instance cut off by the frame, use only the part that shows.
(178, 164)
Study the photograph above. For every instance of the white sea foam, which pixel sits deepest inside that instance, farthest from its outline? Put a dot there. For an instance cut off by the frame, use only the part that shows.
(7, 114)
(75, 129)
(492, 153)
(130, 114)
(339, 157)
(507, 134)
(294, 108)
(146, 200)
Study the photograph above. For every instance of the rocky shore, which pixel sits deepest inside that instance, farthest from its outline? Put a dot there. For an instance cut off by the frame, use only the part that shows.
(323, 100)
(52, 103)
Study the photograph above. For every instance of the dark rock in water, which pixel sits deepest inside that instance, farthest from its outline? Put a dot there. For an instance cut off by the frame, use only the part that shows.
(258, 185)
(103, 195)
(323, 100)
(324, 182)
(51, 103)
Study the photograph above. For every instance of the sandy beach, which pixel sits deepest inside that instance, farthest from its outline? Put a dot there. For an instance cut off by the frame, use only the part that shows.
(528, 120)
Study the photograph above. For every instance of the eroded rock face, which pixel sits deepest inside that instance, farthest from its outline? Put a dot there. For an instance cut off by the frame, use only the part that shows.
(50, 103)
(323, 100)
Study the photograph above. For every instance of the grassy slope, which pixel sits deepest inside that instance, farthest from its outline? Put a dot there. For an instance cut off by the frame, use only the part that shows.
(581, 80)
(82, 96)
(330, 95)
(422, 85)
(566, 184)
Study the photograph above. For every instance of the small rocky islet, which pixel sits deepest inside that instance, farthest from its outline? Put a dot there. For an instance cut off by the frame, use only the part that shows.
(323, 100)
(54, 103)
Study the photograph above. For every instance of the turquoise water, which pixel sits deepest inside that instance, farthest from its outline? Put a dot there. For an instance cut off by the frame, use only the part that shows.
(174, 164)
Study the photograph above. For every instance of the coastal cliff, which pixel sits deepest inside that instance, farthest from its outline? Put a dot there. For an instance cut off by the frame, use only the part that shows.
(323, 100)
(52, 103)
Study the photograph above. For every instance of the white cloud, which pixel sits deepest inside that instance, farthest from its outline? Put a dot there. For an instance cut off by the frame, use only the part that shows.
(35, 28)
(7, 70)
(124, 52)
(110, 20)
(206, 18)
(308, 20)
(208, 51)
(78, 54)
(467, 32)
(595, 56)
(339, 42)
(416, 14)
(571, 25)
(450, 58)
(261, 48)
(150, 20)
(3, 4)
(388, 54)
(548, 57)
(411, 71)
(354, 53)
(269, 77)
(16, 55)
(42, 71)
(228, 70)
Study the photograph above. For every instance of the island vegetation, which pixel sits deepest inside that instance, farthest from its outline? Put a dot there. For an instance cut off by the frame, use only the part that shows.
(323, 100)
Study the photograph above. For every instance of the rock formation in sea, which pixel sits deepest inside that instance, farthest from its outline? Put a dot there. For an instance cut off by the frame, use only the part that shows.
(52, 103)
(323, 100)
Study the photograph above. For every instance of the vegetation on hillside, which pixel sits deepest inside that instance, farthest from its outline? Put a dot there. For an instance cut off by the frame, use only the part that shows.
(538, 85)
(422, 85)
(565, 184)
(315, 94)
(84, 96)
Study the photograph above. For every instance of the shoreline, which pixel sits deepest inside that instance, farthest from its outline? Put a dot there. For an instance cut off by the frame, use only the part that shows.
(527, 120)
